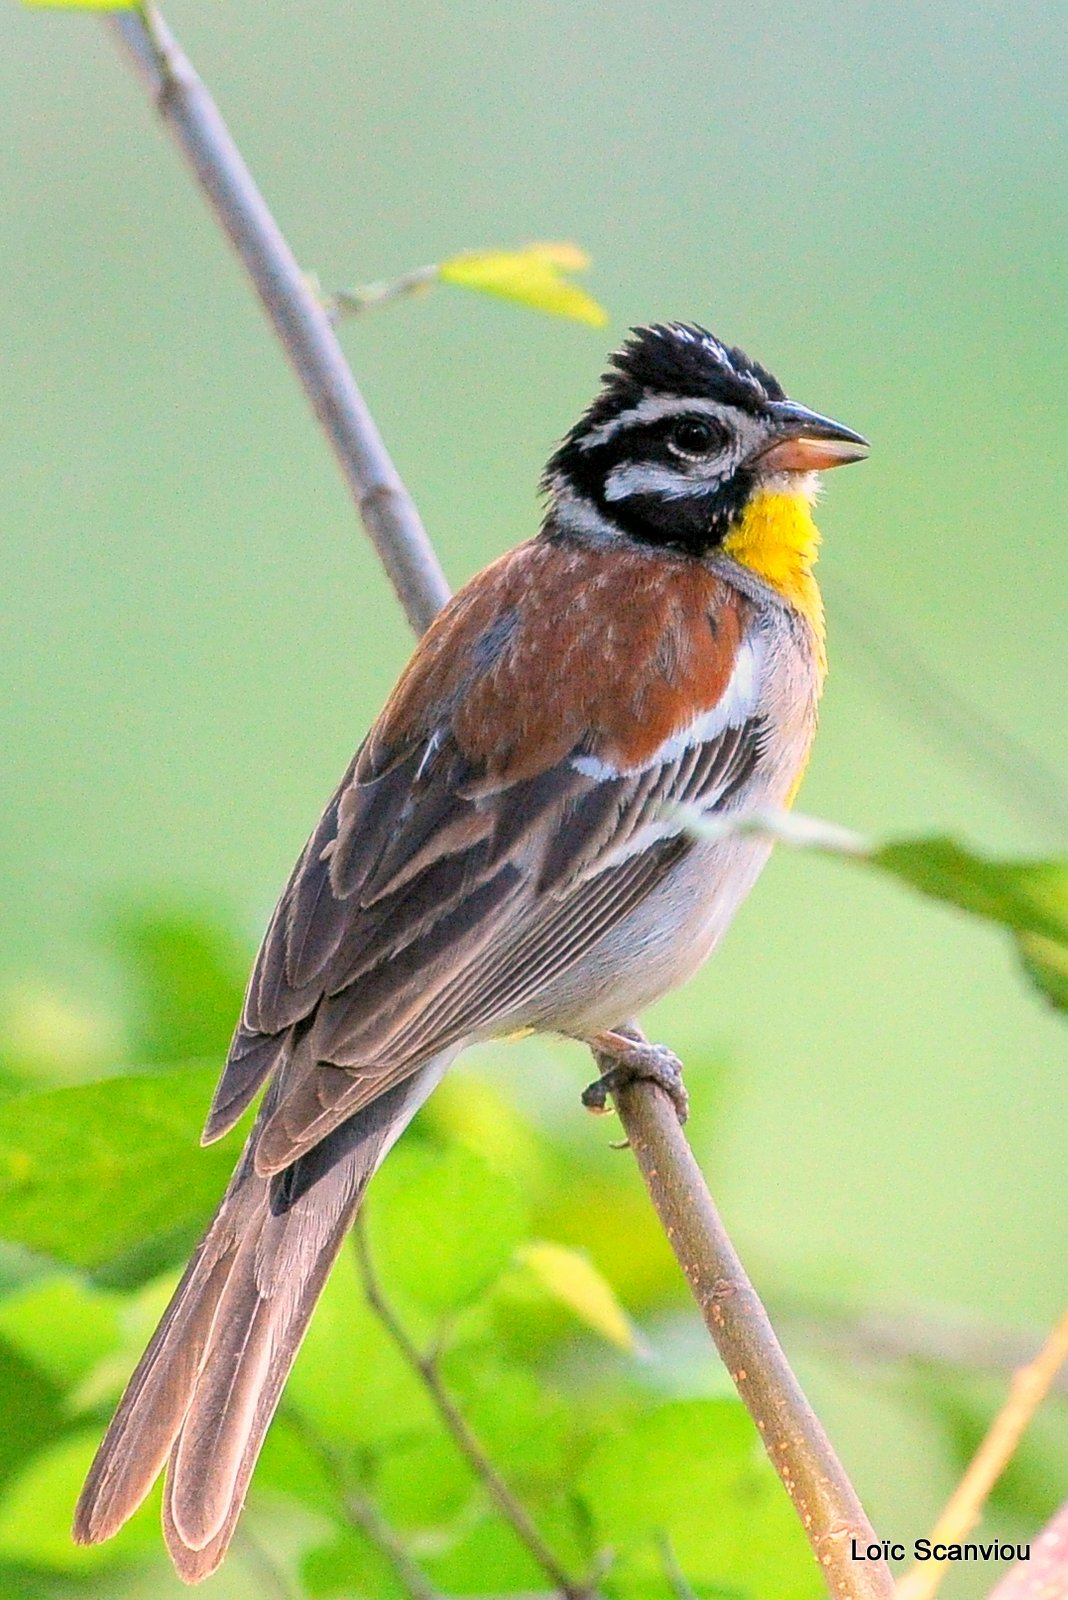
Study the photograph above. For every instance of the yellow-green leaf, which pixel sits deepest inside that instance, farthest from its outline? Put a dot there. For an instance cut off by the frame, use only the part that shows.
(1046, 963)
(1027, 896)
(36, 1509)
(90, 1173)
(573, 1280)
(532, 276)
(83, 5)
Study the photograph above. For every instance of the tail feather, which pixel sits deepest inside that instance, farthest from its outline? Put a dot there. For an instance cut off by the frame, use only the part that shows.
(157, 1397)
(207, 1387)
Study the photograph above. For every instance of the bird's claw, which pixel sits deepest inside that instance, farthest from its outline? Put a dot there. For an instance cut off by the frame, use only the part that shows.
(623, 1060)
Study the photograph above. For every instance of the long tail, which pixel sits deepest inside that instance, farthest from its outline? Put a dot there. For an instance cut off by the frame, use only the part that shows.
(206, 1388)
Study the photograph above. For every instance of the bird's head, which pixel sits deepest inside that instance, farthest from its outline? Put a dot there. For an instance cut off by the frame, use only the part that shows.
(686, 435)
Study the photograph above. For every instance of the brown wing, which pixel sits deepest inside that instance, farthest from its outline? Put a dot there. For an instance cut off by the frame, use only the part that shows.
(491, 829)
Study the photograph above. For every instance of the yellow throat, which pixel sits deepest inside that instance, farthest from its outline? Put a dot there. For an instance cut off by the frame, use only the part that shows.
(778, 540)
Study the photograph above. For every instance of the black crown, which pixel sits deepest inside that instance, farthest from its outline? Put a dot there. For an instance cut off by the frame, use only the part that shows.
(681, 358)
(675, 358)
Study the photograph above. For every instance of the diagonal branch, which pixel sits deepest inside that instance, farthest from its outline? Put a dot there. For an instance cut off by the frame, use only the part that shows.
(824, 1498)
(191, 116)
(1029, 1387)
(426, 1368)
(362, 1512)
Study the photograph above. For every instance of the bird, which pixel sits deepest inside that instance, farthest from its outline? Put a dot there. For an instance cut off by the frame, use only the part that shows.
(511, 849)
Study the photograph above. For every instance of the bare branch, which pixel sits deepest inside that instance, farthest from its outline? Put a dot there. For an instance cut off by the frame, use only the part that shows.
(908, 1335)
(825, 1500)
(362, 1511)
(426, 1368)
(300, 321)
(1029, 1387)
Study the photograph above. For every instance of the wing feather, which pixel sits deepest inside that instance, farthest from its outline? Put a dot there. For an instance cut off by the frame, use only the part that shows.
(451, 879)
(396, 1009)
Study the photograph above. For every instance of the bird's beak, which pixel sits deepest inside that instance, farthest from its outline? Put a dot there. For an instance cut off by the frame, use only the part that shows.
(803, 441)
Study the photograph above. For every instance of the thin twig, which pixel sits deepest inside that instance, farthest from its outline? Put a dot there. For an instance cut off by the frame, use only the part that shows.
(825, 1500)
(426, 1367)
(677, 1579)
(300, 321)
(1045, 1575)
(274, 1579)
(1029, 1387)
(361, 1510)
(908, 1336)
(351, 302)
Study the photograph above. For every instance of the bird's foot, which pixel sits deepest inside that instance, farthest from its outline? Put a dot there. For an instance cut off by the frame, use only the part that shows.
(624, 1059)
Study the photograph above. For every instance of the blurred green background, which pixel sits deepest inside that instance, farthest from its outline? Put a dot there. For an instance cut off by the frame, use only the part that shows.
(872, 200)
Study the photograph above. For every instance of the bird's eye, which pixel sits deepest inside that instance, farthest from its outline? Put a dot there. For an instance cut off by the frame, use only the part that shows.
(696, 436)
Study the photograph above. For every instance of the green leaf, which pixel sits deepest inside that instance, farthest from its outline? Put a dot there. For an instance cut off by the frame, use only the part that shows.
(572, 1279)
(487, 1558)
(37, 1508)
(424, 1483)
(31, 1408)
(1029, 898)
(521, 1421)
(531, 276)
(693, 1473)
(63, 1325)
(350, 1381)
(1045, 962)
(443, 1225)
(90, 1172)
(352, 1566)
(187, 975)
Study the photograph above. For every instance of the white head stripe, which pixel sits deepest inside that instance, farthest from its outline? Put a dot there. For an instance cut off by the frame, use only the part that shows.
(651, 408)
(577, 514)
(649, 477)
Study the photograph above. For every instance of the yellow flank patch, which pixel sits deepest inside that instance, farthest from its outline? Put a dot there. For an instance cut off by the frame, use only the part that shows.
(779, 541)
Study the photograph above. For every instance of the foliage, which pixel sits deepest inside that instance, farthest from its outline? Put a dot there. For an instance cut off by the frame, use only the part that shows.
(532, 276)
(102, 1187)
(494, 1242)
(1029, 899)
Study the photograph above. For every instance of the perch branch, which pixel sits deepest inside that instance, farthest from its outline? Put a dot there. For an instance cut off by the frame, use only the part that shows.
(191, 116)
(1029, 1387)
(825, 1501)
(823, 1497)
